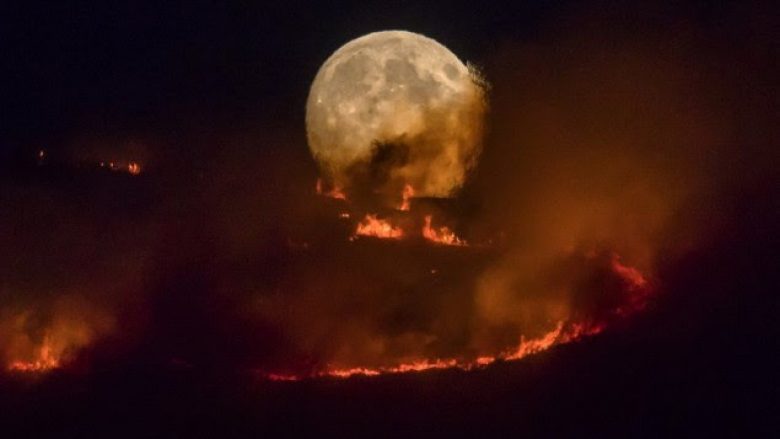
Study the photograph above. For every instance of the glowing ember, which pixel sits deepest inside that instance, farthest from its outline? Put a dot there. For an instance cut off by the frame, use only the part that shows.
(378, 228)
(134, 168)
(335, 192)
(442, 235)
(407, 194)
(281, 377)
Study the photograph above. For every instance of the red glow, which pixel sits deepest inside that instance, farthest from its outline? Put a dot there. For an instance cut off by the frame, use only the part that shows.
(637, 286)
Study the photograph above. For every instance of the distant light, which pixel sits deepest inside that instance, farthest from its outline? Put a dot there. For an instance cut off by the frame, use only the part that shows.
(134, 168)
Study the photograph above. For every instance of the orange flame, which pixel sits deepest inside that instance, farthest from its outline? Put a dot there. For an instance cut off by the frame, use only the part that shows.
(378, 228)
(335, 192)
(527, 347)
(442, 235)
(562, 333)
(75, 325)
(44, 360)
(415, 366)
(407, 194)
(133, 168)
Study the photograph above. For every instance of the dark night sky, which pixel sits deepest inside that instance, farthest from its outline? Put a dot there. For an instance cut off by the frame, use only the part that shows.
(133, 66)
(211, 98)
(150, 66)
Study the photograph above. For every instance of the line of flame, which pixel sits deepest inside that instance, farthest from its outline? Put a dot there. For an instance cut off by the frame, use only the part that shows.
(525, 348)
(562, 333)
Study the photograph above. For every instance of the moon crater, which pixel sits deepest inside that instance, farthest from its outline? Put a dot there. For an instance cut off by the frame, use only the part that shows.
(395, 91)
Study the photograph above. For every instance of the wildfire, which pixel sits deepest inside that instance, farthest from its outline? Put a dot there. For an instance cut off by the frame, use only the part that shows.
(525, 348)
(75, 324)
(379, 228)
(334, 192)
(631, 274)
(416, 366)
(134, 168)
(407, 194)
(443, 235)
(44, 360)
(372, 226)
(528, 347)
(563, 332)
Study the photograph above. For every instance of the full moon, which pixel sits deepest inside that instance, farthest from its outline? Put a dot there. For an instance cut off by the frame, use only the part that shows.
(396, 108)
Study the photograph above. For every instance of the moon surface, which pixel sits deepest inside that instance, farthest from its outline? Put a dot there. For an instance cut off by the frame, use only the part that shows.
(399, 101)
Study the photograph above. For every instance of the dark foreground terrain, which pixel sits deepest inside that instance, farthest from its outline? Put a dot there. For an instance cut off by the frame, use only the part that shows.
(688, 367)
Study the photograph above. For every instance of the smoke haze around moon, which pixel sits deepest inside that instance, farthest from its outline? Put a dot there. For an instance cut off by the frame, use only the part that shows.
(393, 108)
